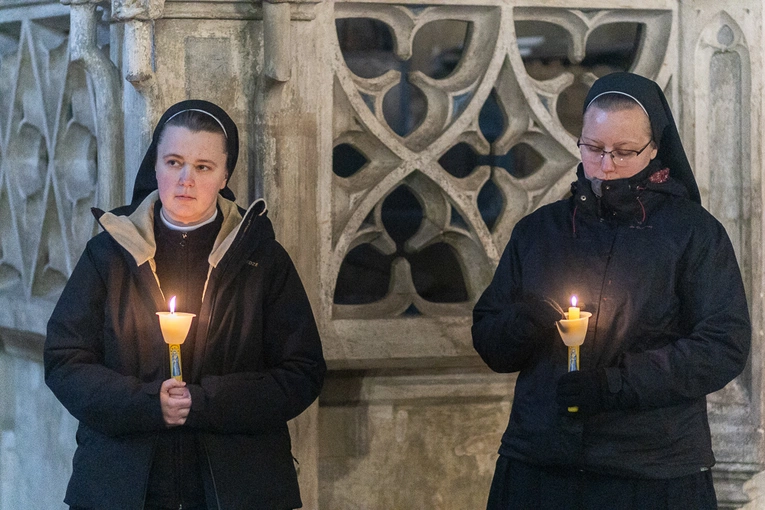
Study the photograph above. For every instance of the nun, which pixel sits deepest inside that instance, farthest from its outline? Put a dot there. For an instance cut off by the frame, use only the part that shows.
(215, 437)
(669, 323)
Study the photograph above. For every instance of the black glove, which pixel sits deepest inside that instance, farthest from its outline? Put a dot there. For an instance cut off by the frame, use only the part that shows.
(539, 312)
(585, 389)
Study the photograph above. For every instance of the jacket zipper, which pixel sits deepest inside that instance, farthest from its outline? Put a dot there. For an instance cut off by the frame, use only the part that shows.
(212, 475)
(240, 236)
(178, 470)
(605, 277)
(148, 472)
(200, 437)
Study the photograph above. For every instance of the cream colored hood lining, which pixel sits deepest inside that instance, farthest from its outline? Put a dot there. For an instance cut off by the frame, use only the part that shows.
(135, 233)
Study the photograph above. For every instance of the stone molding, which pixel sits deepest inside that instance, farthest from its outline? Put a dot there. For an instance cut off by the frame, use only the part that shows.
(140, 10)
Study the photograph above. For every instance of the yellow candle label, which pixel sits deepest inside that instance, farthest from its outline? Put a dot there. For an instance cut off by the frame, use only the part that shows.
(176, 371)
(573, 359)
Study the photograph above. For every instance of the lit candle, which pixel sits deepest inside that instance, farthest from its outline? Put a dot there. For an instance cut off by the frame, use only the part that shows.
(573, 330)
(573, 310)
(175, 327)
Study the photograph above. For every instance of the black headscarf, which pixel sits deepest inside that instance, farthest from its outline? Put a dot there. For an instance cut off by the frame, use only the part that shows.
(650, 96)
(146, 180)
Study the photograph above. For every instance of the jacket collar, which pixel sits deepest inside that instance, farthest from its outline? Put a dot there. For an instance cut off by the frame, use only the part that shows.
(135, 232)
(232, 226)
(629, 199)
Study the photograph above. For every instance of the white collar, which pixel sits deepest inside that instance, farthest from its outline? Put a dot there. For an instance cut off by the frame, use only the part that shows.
(189, 228)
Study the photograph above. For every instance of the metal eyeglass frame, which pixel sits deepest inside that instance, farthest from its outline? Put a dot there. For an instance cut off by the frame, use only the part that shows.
(603, 152)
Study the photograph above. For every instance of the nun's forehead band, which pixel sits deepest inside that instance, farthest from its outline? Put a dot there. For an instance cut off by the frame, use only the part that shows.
(200, 111)
(611, 92)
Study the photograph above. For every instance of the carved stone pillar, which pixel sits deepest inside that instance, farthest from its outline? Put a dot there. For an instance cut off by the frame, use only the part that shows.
(722, 123)
(107, 89)
(60, 154)
(755, 491)
(140, 99)
(290, 151)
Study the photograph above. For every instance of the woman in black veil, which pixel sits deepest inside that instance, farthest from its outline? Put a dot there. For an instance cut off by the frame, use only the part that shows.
(669, 323)
(252, 360)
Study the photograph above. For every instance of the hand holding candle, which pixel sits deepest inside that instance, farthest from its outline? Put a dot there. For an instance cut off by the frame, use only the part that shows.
(175, 327)
(572, 330)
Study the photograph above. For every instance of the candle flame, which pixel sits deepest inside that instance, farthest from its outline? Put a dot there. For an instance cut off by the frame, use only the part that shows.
(573, 300)
(172, 304)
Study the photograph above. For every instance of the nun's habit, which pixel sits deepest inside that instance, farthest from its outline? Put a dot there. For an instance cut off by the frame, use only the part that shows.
(252, 361)
(670, 325)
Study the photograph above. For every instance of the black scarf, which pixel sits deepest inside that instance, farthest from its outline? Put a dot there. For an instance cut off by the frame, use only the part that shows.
(648, 93)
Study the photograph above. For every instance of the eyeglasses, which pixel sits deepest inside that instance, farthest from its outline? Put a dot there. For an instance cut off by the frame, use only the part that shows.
(620, 157)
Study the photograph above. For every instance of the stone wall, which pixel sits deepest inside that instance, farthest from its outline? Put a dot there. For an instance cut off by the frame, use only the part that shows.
(397, 146)
(722, 131)
(36, 434)
(49, 172)
(411, 439)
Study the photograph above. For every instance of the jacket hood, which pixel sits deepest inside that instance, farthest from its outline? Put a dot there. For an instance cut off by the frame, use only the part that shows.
(650, 97)
(135, 232)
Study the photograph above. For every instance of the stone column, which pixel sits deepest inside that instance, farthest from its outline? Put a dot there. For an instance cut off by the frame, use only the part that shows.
(291, 144)
(140, 99)
(721, 110)
(107, 88)
(755, 491)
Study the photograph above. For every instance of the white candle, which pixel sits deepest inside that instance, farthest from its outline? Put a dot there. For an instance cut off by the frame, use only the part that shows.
(573, 310)
(175, 328)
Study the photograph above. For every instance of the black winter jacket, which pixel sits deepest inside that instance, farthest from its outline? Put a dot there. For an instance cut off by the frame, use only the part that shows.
(670, 324)
(257, 364)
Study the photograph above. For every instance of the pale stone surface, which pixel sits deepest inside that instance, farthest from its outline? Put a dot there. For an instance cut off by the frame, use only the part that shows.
(755, 490)
(411, 458)
(409, 417)
(36, 440)
(409, 441)
(721, 124)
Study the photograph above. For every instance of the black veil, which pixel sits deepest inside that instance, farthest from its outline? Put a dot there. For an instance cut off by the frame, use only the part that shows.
(650, 96)
(146, 180)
